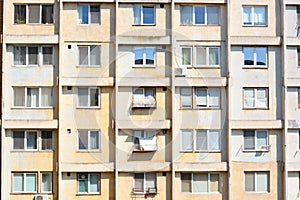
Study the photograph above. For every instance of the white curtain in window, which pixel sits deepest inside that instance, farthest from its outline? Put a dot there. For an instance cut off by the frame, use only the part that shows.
(262, 138)
(186, 56)
(30, 182)
(46, 97)
(186, 140)
(46, 182)
(214, 183)
(18, 185)
(214, 97)
(137, 13)
(139, 181)
(214, 140)
(186, 97)
(20, 55)
(186, 14)
(201, 97)
(213, 56)
(83, 96)
(32, 97)
(249, 98)
(201, 140)
(261, 97)
(249, 182)
(19, 96)
(212, 15)
(262, 181)
(83, 55)
(83, 139)
(259, 15)
(201, 56)
(200, 182)
(150, 180)
(247, 16)
(94, 183)
(94, 139)
(95, 55)
(34, 13)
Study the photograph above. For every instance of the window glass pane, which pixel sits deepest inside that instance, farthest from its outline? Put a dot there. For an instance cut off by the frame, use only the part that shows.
(19, 96)
(150, 180)
(214, 97)
(247, 16)
(34, 14)
(214, 182)
(137, 14)
(213, 56)
(249, 182)
(298, 15)
(30, 182)
(148, 15)
(248, 56)
(150, 51)
(20, 14)
(138, 56)
(200, 182)
(262, 181)
(46, 182)
(139, 182)
(47, 56)
(31, 140)
(95, 14)
(186, 140)
(249, 98)
(83, 96)
(46, 97)
(94, 139)
(186, 185)
(212, 15)
(298, 54)
(201, 97)
(249, 139)
(186, 14)
(20, 55)
(94, 97)
(32, 55)
(18, 182)
(47, 14)
(149, 93)
(201, 56)
(186, 97)
(214, 140)
(298, 97)
(262, 99)
(83, 139)
(32, 97)
(94, 183)
(199, 14)
(261, 56)
(46, 140)
(262, 139)
(83, 182)
(95, 55)
(201, 140)
(259, 15)
(83, 15)
(186, 56)
(18, 139)
(83, 55)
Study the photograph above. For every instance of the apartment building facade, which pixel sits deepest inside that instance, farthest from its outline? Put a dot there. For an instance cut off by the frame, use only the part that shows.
(165, 99)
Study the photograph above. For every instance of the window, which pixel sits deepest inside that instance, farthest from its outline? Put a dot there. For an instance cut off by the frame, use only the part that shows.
(46, 183)
(24, 182)
(298, 22)
(89, 97)
(32, 55)
(255, 98)
(298, 56)
(89, 55)
(145, 140)
(88, 14)
(200, 97)
(144, 56)
(47, 140)
(256, 140)
(200, 182)
(255, 57)
(89, 139)
(143, 14)
(206, 15)
(33, 14)
(257, 181)
(144, 97)
(25, 140)
(89, 183)
(254, 15)
(298, 97)
(200, 140)
(33, 97)
(145, 183)
(200, 56)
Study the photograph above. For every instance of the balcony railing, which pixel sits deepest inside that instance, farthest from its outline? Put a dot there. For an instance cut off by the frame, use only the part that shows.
(146, 102)
(149, 190)
(144, 147)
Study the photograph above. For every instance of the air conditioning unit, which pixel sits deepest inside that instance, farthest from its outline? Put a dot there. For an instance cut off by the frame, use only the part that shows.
(41, 197)
(180, 71)
(266, 147)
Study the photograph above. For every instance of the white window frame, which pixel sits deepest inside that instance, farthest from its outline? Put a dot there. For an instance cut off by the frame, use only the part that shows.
(88, 56)
(208, 182)
(89, 97)
(205, 16)
(41, 13)
(252, 15)
(40, 98)
(255, 58)
(24, 182)
(89, 14)
(255, 98)
(89, 140)
(191, 57)
(89, 187)
(208, 104)
(134, 104)
(142, 14)
(25, 140)
(256, 148)
(144, 64)
(144, 182)
(41, 182)
(255, 181)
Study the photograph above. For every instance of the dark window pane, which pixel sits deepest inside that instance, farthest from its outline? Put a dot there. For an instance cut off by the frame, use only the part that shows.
(32, 55)
(95, 14)
(20, 55)
(213, 15)
(186, 185)
(34, 14)
(249, 139)
(47, 14)
(18, 139)
(46, 140)
(47, 55)
(94, 97)
(83, 139)
(83, 55)
(20, 14)
(31, 140)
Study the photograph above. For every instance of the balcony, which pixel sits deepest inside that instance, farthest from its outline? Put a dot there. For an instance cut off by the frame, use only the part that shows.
(144, 141)
(146, 191)
(145, 102)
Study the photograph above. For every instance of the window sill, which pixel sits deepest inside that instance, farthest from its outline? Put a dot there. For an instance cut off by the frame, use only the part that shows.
(87, 194)
(31, 66)
(144, 66)
(256, 150)
(92, 24)
(31, 108)
(89, 108)
(88, 66)
(255, 109)
(31, 151)
(200, 109)
(255, 25)
(255, 67)
(201, 151)
(49, 24)
(143, 24)
(205, 67)
(216, 25)
(23, 193)
(88, 151)
(253, 192)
